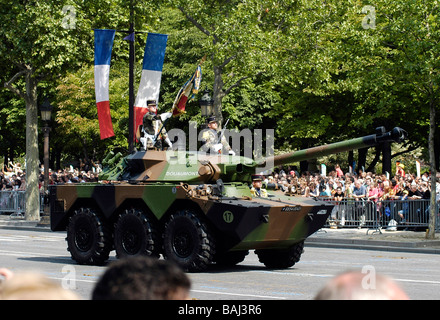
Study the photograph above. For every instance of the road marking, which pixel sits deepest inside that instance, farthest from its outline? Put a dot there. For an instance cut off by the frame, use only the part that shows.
(31, 254)
(294, 274)
(15, 238)
(332, 275)
(239, 294)
(9, 240)
(418, 281)
(79, 280)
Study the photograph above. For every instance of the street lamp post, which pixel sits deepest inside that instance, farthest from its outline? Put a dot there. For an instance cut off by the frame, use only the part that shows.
(46, 114)
(206, 104)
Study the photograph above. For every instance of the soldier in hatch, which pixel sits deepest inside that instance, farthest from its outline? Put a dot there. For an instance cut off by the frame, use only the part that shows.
(257, 190)
(154, 132)
(210, 139)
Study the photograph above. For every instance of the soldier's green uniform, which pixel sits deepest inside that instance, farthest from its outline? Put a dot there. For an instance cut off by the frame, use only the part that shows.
(210, 139)
(257, 190)
(152, 124)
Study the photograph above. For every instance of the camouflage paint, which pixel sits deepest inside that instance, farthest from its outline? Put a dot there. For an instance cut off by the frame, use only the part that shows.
(285, 224)
(159, 198)
(237, 221)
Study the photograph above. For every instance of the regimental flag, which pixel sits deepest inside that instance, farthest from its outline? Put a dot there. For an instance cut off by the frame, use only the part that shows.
(192, 85)
(103, 51)
(149, 86)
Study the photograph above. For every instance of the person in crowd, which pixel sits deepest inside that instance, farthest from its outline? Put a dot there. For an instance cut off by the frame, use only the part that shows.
(400, 170)
(387, 191)
(339, 172)
(323, 190)
(22, 186)
(311, 190)
(339, 210)
(339, 194)
(414, 192)
(374, 192)
(359, 191)
(425, 190)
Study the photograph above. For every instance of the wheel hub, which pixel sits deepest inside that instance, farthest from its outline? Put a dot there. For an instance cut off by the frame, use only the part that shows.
(83, 238)
(183, 244)
(130, 242)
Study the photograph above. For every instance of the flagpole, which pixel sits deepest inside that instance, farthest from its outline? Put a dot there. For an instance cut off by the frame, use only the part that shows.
(131, 85)
(177, 98)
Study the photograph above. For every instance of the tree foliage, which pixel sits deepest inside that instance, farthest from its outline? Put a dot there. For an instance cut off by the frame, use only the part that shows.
(77, 114)
(315, 71)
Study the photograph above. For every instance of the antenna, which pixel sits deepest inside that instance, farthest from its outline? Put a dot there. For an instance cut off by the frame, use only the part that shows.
(131, 84)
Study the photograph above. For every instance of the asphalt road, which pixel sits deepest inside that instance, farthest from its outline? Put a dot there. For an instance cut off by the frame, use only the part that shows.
(417, 273)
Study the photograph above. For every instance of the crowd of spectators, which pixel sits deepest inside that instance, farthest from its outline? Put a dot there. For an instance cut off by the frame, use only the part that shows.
(335, 184)
(375, 191)
(365, 185)
(13, 176)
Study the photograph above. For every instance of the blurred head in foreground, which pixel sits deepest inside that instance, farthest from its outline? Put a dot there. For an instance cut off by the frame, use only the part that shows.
(33, 286)
(353, 285)
(142, 278)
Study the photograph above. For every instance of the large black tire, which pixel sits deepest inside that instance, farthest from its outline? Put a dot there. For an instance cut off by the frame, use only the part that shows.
(135, 235)
(281, 258)
(88, 237)
(188, 242)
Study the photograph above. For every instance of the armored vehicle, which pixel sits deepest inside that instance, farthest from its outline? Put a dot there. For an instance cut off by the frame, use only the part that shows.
(193, 208)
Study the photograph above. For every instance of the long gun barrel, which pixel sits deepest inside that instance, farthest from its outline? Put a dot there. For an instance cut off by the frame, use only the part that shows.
(395, 135)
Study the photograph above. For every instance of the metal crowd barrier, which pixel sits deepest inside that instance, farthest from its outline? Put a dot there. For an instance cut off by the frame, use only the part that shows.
(394, 214)
(406, 213)
(13, 201)
(391, 214)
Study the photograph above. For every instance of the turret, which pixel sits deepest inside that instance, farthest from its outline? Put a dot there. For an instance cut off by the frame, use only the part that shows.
(198, 167)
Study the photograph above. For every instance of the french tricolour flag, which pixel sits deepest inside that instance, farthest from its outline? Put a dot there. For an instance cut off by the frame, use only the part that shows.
(103, 51)
(149, 86)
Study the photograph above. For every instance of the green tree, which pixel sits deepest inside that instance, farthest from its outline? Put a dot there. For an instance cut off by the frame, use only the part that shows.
(33, 45)
(77, 114)
(336, 70)
(12, 124)
(233, 41)
(414, 30)
(41, 40)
